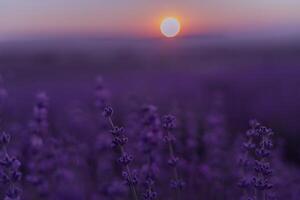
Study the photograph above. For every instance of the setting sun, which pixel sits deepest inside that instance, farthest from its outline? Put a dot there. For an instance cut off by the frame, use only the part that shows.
(170, 27)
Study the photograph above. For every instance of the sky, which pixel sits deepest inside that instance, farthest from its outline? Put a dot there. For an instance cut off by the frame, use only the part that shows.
(142, 17)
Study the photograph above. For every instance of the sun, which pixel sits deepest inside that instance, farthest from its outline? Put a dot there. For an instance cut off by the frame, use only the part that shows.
(170, 27)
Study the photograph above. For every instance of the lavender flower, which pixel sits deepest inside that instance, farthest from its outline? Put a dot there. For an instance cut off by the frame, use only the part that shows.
(43, 151)
(9, 168)
(149, 140)
(255, 162)
(217, 149)
(38, 129)
(119, 141)
(40, 115)
(169, 124)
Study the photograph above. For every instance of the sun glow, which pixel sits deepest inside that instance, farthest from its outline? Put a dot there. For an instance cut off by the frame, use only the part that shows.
(170, 27)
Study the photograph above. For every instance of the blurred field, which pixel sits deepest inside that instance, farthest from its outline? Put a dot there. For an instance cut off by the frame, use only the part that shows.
(259, 78)
(188, 77)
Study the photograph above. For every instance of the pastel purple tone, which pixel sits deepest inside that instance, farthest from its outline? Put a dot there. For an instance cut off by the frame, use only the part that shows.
(131, 119)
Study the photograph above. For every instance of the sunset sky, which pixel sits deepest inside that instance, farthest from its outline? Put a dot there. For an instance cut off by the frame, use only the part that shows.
(142, 17)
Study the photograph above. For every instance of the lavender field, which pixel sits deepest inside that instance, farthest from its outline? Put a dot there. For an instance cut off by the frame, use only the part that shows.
(142, 119)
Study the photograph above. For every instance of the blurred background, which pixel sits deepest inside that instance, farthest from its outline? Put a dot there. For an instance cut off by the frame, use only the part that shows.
(248, 50)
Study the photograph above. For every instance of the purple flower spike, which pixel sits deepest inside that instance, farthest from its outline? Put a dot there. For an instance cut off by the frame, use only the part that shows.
(108, 112)
(10, 174)
(256, 164)
(118, 141)
(169, 122)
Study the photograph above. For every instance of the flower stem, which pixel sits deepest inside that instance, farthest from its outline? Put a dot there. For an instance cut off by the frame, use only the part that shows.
(127, 168)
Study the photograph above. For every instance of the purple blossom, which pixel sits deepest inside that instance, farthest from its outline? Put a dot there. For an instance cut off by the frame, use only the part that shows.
(255, 164)
(108, 112)
(129, 176)
(149, 140)
(10, 174)
(168, 123)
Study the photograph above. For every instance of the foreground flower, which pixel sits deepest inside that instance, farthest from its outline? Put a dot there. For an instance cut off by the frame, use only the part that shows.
(9, 168)
(169, 124)
(119, 140)
(255, 162)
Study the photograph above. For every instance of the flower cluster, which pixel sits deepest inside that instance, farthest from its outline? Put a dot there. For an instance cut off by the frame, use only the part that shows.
(43, 150)
(150, 135)
(119, 140)
(89, 156)
(255, 162)
(40, 114)
(169, 124)
(10, 173)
